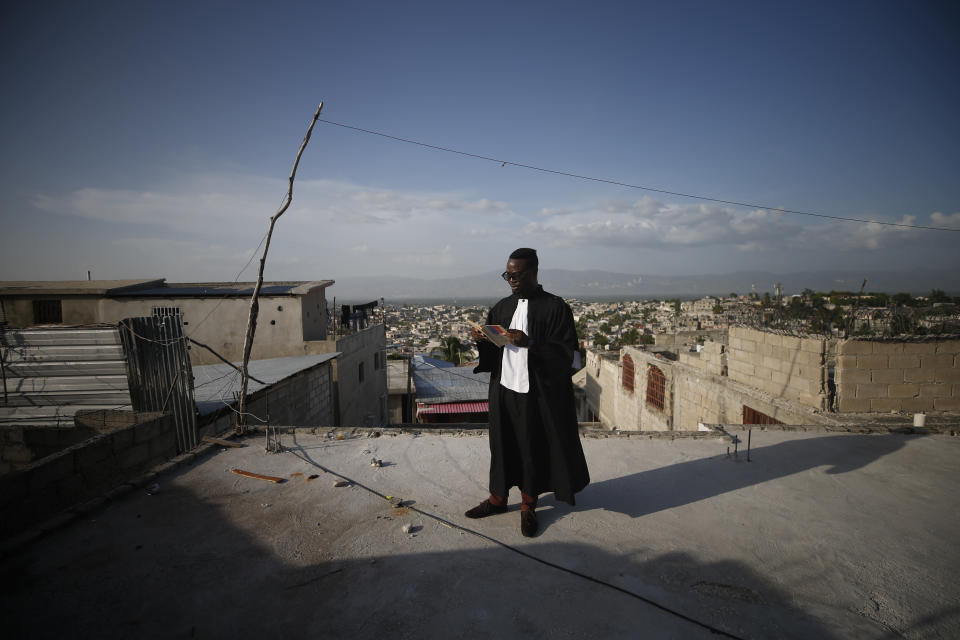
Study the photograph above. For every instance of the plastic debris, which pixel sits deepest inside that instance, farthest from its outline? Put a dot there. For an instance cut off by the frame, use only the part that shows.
(265, 505)
(374, 462)
(341, 483)
(407, 528)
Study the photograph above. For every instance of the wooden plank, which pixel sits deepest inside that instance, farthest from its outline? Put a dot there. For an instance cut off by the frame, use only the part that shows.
(250, 474)
(221, 442)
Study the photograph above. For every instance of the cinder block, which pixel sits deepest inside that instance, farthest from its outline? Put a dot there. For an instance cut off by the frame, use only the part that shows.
(12, 434)
(134, 456)
(853, 405)
(779, 378)
(71, 489)
(918, 375)
(846, 362)
(769, 362)
(946, 375)
(854, 347)
(947, 404)
(903, 390)
(810, 345)
(18, 454)
(746, 346)
(790, 343)
(935, 390)
(904, 361)
(886, 404)
(920, 348)
(92, 454)
(889, 376)
(872, 390)
(937, 361)
(872, 362)
(916, 404)
(888, 348)
(53, 469)
(950, 346)
(773, 339)
(853, 375)
(740, 369)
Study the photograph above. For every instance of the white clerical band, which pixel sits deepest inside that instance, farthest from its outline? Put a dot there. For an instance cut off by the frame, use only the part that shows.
(513, 370)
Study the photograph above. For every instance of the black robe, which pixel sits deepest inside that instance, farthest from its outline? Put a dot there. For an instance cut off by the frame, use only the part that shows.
(561, 467)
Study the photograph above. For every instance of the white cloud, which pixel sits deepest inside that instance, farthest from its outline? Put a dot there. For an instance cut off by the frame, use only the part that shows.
(197, 204)
(951, 221)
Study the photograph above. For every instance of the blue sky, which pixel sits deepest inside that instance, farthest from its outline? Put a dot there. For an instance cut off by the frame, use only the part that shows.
(153, 139)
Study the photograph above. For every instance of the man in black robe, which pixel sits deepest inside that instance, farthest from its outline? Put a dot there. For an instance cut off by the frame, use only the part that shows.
(534, 438)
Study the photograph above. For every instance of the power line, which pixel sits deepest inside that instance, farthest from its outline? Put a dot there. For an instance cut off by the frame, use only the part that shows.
(578, 176)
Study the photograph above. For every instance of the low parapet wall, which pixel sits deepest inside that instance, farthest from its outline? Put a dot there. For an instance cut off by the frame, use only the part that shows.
(125, 445)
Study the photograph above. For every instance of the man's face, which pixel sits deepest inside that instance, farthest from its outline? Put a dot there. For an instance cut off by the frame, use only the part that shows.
(522, 279)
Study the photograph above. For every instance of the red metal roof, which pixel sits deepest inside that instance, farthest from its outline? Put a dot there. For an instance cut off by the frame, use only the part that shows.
(479, 406)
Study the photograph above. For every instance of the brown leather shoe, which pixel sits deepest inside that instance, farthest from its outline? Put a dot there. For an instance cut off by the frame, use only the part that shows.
(528, 523)
(484, 509)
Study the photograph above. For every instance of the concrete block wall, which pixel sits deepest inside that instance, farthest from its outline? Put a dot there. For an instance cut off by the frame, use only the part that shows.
(884, 376)
(20, 445)
(785, 366)
(86, 469)
(711, 359)
(302, 400)
(701, 397)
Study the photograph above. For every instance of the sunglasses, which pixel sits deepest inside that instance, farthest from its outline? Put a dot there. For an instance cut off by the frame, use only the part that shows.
(512, 277)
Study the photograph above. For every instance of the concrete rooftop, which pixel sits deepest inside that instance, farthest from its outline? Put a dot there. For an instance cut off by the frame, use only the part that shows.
(821, 535)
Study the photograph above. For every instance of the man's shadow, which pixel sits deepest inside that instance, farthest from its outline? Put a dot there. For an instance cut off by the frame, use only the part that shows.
(675, 485)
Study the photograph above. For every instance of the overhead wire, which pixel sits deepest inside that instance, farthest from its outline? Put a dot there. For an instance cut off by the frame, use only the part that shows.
(618, 183)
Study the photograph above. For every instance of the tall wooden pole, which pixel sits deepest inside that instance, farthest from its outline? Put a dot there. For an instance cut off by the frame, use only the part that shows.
(254, 300)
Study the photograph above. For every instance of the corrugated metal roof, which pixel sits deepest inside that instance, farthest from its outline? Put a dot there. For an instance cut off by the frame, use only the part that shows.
(441, 381)
(479, 406)
(215, 384)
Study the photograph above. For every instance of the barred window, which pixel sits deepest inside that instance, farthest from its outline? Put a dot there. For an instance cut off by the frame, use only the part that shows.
(47, 312)
(752, 416)
(628, 374)
(656, 384)
(161, 312)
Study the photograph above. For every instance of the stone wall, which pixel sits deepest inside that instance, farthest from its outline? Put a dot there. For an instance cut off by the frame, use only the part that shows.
(87, 469)
(784, 366)
(884, 376)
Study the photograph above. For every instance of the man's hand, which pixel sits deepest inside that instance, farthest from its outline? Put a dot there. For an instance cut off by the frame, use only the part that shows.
(476, 334)
(518, 338)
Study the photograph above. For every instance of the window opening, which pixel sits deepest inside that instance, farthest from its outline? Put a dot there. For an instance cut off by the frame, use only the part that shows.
(656, 385)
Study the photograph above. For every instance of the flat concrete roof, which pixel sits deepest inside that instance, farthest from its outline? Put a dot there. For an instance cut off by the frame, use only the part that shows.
(156, 287)
(818, 536)
(72, 287)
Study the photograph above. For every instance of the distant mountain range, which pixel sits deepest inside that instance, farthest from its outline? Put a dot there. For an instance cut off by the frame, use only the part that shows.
(605, 285)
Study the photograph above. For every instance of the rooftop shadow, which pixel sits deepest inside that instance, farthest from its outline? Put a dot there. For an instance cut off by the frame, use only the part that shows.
(177, 565)
(654, 490)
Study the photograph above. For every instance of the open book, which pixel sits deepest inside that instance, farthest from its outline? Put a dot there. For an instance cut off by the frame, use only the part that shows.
(495, 333)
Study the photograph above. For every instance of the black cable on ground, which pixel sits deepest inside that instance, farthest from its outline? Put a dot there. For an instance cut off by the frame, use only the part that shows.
(453, 525)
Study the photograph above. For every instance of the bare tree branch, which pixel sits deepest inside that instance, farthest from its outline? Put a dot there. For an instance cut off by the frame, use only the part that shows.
(254, 301)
